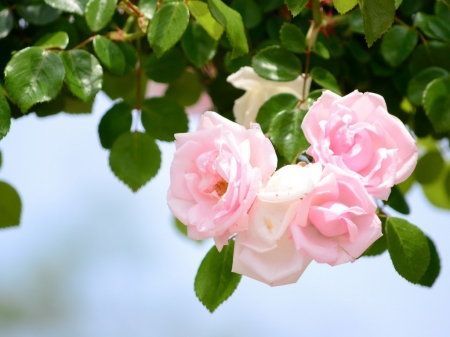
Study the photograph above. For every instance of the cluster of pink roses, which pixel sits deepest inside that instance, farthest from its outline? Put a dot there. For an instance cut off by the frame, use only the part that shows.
(223, 183)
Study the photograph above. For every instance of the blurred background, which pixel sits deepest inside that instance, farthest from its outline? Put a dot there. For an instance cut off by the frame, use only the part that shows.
(91, 258)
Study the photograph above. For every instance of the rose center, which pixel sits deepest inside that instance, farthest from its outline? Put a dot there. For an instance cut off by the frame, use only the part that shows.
(221, 187)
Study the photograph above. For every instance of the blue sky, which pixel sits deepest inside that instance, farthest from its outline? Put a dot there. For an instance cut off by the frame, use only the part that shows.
(91, 258)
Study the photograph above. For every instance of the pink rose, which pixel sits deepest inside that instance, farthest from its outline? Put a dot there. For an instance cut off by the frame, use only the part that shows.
(216, 173)
(336, 222)
(357, 134)
(265, 252)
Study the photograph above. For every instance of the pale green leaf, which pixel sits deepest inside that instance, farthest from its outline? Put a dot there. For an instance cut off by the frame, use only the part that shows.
(343, 6)
(200, 11)
(57, 40)
(98, 13)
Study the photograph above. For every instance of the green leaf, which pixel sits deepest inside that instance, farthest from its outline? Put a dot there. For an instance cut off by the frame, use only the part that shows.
(10, 206)
(397, 201)
(434, 268)
(320, 49)
(433, 54)
(198, 46)
(33, 75)
(57, 40)
(380, 245)
(378, 16)
(201, 13)
(186, 90)
(296, 6)
(130, 53)
(98, 13)
(293, 38)
(38, 14)
(115, 122)
(398, 3)
(84, 75)
(167, 68)
(429, 167)
(437, 103)
(135, 159)
(72, 6)
(233, 65)
(419, 82)
(6, 22)
(325, 79)
(5, 116)
(273, 106)
(250, 11)
(433, 26)
(398, 43)
(436, 192)
(167, 26)
(234, 27)
(162, 118)
(270, 5)
(408, 248)
(110, 55)
(287, 135)
(148, 7)
(215, 282)
(447, 2)
(277, 64)
(343, 6)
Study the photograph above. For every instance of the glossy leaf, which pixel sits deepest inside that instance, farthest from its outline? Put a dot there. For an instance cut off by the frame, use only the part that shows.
(420, 81)
(433, 26)
(72, 6)
(408, 248)
(277, 64)
(58, 40)
(436, 101)
(198, 46)
(287, 135)
(200, 11)
(135, 159)
(148, 7)
(167, 68)
(5, 116)
(398, 43)
(325, 79)
(84, 75)
(98, 13)
(215, 282)
(109, 55)
(434, 268)
(296, 6)
(343, 6)
(185, 90)
(272, 107)
(34, 75)
(293, 38)
(115, 122)
(167, 26)
(378, 16)
(6, 22)
(232, 21)
(10, 206)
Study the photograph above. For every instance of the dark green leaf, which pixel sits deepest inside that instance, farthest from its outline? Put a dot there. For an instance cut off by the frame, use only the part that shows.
(98, 13)
(296, 6)
(434, 268)
(436, 101)
(356, 21)
(114, 123)
(198, 46)
(234, 27)
(378, 16)
(167, 26)
(130, 53)
(379, 246)
(277, 64)
(343, 6)
(408, 248)
(429, 167)
(293, 38)
(38, 14)
(148, 7)
(84, 75)
(34, 75)
(420, 81)
(162, 118)
(398, 43)
(73, 6)
(270, 5)
(5, 116)
(433, 26)
(287, 135)
(447, 2)
(250, 11)
(186, 90)
(10, 206)
(320, 49)
(233, 65)
(167, 68)
(135, 159)
(110, 55)
(6, 22)
(273, 106)
(358, 52)
(200, 11)
(58, 40)
(397, 201)
(215, 282)
(433, 54)
(325, 79)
